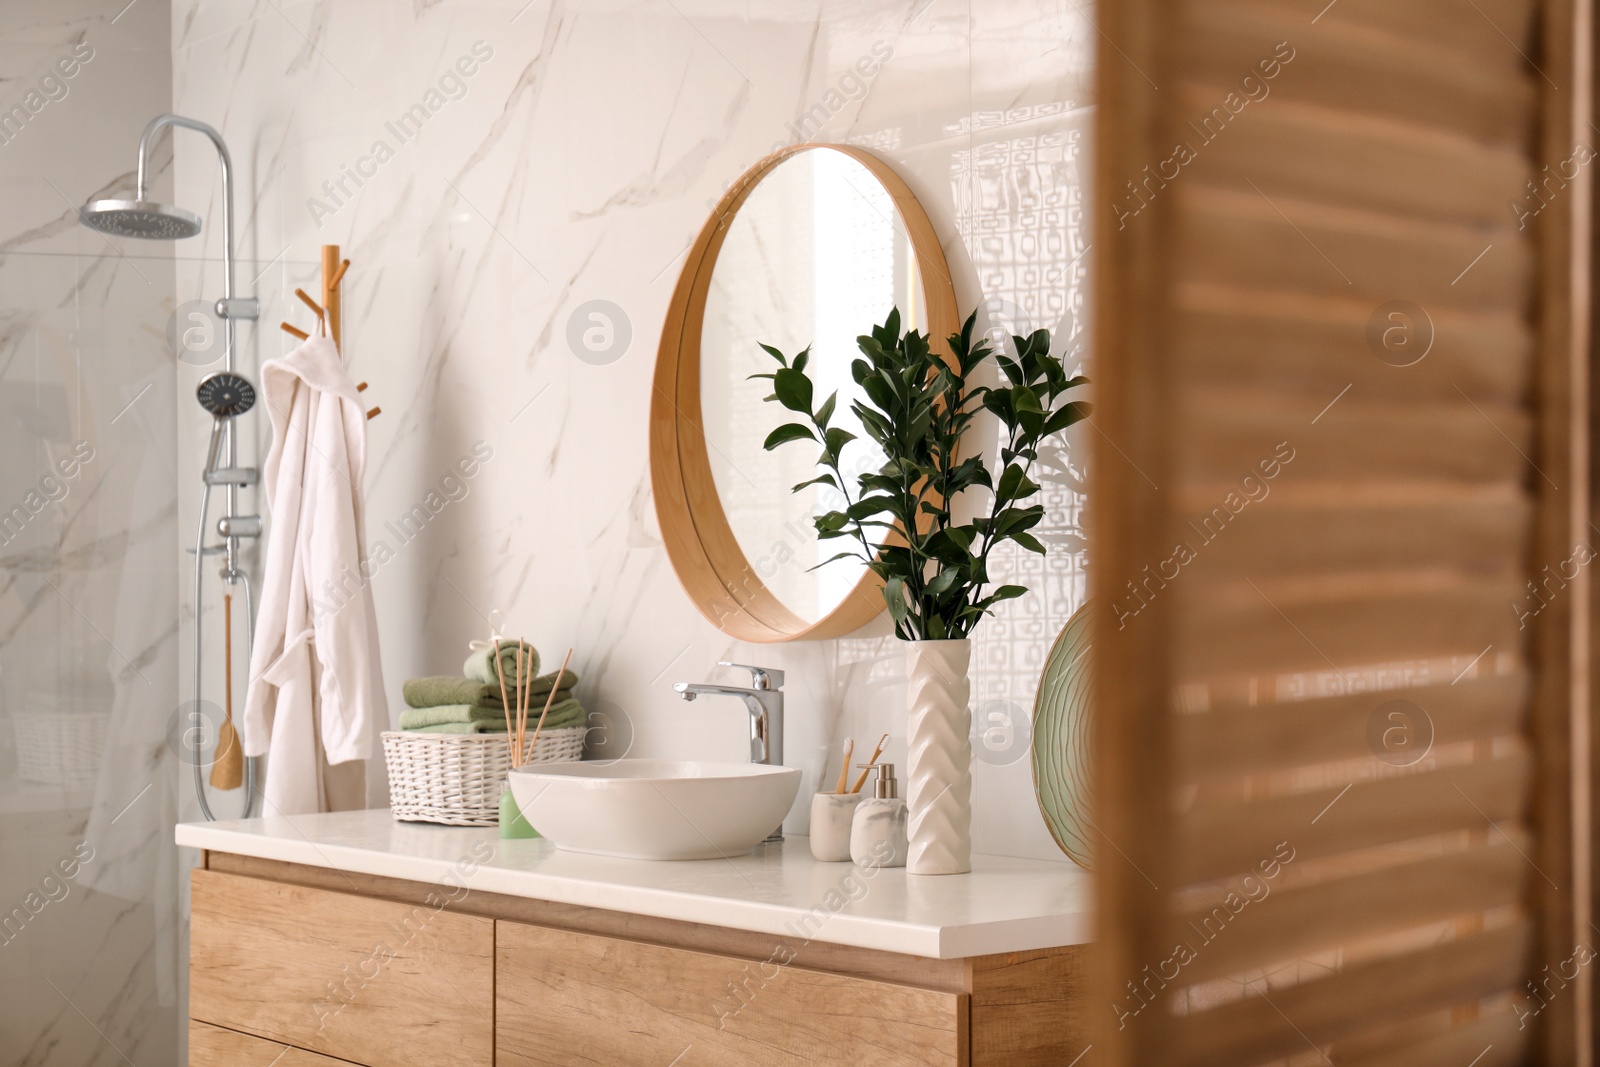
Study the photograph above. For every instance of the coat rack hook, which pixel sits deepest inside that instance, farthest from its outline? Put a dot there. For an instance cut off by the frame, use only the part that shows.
(310, 303)
(338, 275)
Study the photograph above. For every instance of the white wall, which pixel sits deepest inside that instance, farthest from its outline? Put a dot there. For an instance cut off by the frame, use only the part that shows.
(578, 164)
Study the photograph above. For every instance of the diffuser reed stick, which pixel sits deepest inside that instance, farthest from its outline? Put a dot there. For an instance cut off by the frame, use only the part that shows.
(523, 696)
(555, 687)
(505, 705)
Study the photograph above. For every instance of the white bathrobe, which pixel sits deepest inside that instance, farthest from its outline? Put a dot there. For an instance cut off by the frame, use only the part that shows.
(316, 691)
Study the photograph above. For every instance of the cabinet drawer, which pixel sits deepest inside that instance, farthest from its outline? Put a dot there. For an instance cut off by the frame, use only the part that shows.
(212, 1046)
(564, 998)
(375, 982)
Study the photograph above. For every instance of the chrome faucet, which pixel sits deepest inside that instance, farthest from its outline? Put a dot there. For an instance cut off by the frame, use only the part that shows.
(764, 700)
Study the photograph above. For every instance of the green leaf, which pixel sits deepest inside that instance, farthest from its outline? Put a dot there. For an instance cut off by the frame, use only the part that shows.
(1006, 592)
(789, 431)
(894, 591)
(1015, 484)
(878, 391)
(802, 358)
(1025, 399)
(999, 402)
(775, 354)
(944, 582)
(878, 427)
(830, 522)
(882, 483)
(836, 439)
(1013, 519)
(1028, 541)
(834, 559)
(821, 479)
(872, 505)
(825, 412)
(891, 325)
(946, 548)
(1012, 369)
(793, 390)
(1067, 415)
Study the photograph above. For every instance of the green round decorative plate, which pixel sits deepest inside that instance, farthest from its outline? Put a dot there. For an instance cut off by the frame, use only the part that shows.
(1061, 754)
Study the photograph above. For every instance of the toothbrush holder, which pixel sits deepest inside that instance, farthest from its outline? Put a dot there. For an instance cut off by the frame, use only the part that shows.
(831, 817)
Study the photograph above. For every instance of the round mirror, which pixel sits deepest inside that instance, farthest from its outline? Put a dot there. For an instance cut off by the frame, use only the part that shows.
(808, 250)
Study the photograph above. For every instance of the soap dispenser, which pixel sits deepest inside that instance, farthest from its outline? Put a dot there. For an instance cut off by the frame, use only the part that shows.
(878, 831)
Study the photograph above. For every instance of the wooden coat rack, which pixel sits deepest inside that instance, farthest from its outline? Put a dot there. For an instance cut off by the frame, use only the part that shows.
(329, 312)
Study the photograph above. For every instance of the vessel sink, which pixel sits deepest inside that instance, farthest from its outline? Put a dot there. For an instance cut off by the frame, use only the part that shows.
(655, 809)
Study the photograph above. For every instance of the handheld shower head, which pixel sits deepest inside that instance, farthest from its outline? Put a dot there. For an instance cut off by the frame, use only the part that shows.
(139, 218)
(226, 395)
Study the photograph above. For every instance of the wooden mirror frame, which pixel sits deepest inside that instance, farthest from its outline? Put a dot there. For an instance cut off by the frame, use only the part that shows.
(705, 554)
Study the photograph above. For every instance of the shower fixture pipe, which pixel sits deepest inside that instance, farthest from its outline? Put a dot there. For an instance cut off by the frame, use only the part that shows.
(146, 144)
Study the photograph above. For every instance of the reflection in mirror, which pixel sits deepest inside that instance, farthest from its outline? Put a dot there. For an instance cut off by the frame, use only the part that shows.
(814, 257)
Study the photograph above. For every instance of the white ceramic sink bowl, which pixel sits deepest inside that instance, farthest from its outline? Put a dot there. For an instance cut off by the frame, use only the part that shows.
(651, 809)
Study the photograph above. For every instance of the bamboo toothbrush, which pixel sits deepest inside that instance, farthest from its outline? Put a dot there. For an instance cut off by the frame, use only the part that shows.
(882, 741)
(505, 705)
(844, 768)
(555, 687)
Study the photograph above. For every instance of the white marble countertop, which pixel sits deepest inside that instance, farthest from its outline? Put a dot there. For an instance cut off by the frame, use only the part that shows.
(1004, 905)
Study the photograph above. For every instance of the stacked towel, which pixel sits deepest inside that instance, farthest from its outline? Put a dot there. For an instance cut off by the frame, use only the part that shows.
(474, 705)
(435, 692)
(460, 728)
(485, 666)
(484, 720)
(440, 692)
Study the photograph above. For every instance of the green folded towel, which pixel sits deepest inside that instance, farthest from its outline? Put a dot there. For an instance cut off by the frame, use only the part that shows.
(540, 687)
(460, 728)
(435, 692)
(416, 718)
(562, 714)
(482, 666)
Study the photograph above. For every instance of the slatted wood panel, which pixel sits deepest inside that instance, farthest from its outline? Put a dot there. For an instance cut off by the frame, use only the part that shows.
(1334, 765)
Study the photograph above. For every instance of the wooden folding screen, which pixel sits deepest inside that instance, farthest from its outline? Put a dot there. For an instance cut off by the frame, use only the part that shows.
(1342, 548)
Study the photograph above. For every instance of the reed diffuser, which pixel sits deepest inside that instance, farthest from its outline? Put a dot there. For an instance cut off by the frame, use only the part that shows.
(512, 824)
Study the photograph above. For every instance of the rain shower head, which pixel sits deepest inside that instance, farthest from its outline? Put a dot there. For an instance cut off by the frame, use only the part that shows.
(226, 395)
(139, 218)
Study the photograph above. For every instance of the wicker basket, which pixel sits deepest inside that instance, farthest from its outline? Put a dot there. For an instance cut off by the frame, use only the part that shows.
(60, 747)
(457, 779)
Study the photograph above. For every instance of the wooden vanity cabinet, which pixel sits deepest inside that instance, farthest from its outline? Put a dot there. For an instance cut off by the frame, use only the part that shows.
(212, 1046)
(307, 967)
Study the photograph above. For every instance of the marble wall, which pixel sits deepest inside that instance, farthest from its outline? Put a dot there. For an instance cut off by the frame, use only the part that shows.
(567, 152)
(89, 912)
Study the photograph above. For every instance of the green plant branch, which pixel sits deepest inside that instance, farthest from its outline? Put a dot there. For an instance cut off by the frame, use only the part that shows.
(918, 408)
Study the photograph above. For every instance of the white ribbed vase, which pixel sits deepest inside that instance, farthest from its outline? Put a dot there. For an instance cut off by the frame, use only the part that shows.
(939, 778)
